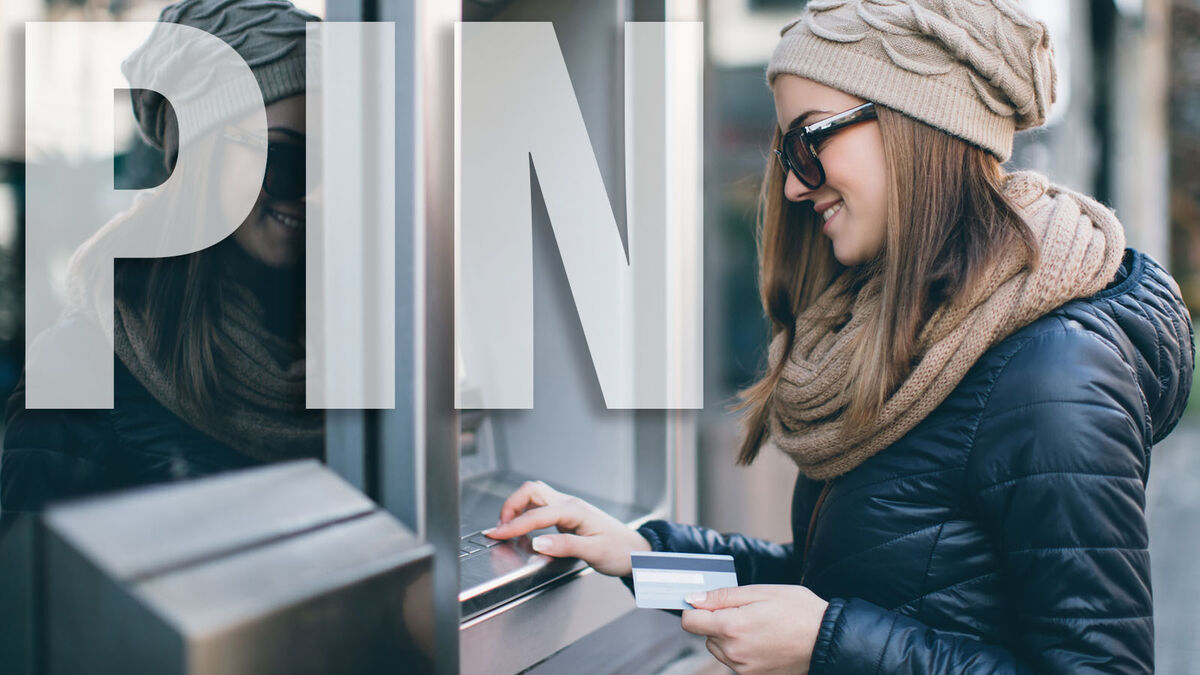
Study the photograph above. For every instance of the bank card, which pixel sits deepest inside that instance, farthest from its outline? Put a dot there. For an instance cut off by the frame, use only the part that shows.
(660, 580)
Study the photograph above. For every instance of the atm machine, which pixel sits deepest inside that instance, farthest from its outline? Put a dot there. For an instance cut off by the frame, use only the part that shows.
(519, 608)
(500, 607)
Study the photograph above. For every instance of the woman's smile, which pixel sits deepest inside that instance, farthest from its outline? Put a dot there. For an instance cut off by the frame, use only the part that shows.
(828, 213)
(289, 222)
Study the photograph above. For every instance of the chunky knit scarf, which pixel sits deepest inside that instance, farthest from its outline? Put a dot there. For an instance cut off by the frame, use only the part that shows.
(1081, 245)
(262, 407)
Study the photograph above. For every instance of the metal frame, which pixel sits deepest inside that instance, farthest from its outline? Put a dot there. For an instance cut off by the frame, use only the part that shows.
(406, 458)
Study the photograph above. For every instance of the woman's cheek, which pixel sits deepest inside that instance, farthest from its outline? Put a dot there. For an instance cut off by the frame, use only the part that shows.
(872, 237)
(236, 172)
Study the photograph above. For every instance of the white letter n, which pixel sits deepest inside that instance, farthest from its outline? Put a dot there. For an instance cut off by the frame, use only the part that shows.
(641, 315)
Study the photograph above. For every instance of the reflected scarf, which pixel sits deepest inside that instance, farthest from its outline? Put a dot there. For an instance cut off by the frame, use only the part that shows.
(262, 401)
(1081, 245)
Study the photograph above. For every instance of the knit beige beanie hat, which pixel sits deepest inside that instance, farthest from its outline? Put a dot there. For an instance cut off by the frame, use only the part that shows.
(977, 69)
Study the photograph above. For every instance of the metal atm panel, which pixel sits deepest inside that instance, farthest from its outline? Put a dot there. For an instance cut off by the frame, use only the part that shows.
(614, 458)
(280, 569)
(519, 607)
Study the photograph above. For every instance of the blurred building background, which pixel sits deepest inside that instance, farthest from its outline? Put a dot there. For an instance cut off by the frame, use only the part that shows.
(1125, 128)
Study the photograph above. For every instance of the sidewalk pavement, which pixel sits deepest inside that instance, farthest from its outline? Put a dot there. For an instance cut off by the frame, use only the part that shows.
(1173, 512)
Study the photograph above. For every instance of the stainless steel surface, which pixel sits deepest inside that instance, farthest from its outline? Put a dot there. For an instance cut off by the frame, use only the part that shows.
(399, 442)
(141, 533)
(284, 568)
(539, 608)
(683, 442)
(497, 572)
(526, 631)
(646, 642)
(411, 466)
(429, 30)
(346, 446)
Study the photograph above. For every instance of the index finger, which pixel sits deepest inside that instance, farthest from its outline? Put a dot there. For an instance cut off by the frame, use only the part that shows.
(554, 515)
(531, 493)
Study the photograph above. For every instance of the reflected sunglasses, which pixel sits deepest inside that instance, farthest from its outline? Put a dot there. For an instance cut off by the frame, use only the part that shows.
(798, 149)
(284, 178)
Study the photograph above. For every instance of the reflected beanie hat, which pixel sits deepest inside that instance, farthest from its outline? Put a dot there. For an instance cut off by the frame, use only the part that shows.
(976, 69)
(267, 34)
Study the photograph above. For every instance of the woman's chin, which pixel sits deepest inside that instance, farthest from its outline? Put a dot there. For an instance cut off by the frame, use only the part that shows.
(851, 255)
(276, 255)
(282, 260)
(847, 258)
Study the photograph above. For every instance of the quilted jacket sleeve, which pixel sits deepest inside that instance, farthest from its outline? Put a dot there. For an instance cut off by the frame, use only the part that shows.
(56, 454)
(757, 561)
(52, 454)
(1056, 477)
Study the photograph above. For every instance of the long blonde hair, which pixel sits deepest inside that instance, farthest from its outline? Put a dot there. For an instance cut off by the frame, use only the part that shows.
(945, 210)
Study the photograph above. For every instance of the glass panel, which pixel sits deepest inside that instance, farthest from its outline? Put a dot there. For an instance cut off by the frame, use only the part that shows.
(209, 346)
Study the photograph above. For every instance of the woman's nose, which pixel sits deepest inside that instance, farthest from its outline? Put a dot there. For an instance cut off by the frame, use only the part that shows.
(794, 190)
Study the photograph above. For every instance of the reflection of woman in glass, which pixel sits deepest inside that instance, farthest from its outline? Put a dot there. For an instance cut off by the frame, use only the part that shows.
(967, 366)
(209, 368)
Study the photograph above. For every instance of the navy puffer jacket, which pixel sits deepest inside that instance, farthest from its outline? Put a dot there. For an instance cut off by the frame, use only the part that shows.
(50, 455)
(1006, 533)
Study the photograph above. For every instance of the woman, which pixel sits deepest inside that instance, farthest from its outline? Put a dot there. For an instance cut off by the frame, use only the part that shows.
(968, 368)
(209, 367)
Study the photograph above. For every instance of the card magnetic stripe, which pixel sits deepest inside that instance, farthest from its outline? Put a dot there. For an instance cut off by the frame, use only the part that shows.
(689, 564)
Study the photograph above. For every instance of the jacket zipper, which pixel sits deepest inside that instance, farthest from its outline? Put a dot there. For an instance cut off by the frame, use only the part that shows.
(812, 523)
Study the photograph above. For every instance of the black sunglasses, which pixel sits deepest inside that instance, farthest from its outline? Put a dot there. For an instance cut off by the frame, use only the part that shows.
(285, 177)
(798, 150)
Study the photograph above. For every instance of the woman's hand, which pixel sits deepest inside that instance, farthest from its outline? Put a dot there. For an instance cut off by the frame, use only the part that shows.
(758, 629)
(590, 534)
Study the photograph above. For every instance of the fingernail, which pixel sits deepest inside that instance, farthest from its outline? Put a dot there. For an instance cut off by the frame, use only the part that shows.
(694, 597)
(541, 544)
(489, 530)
